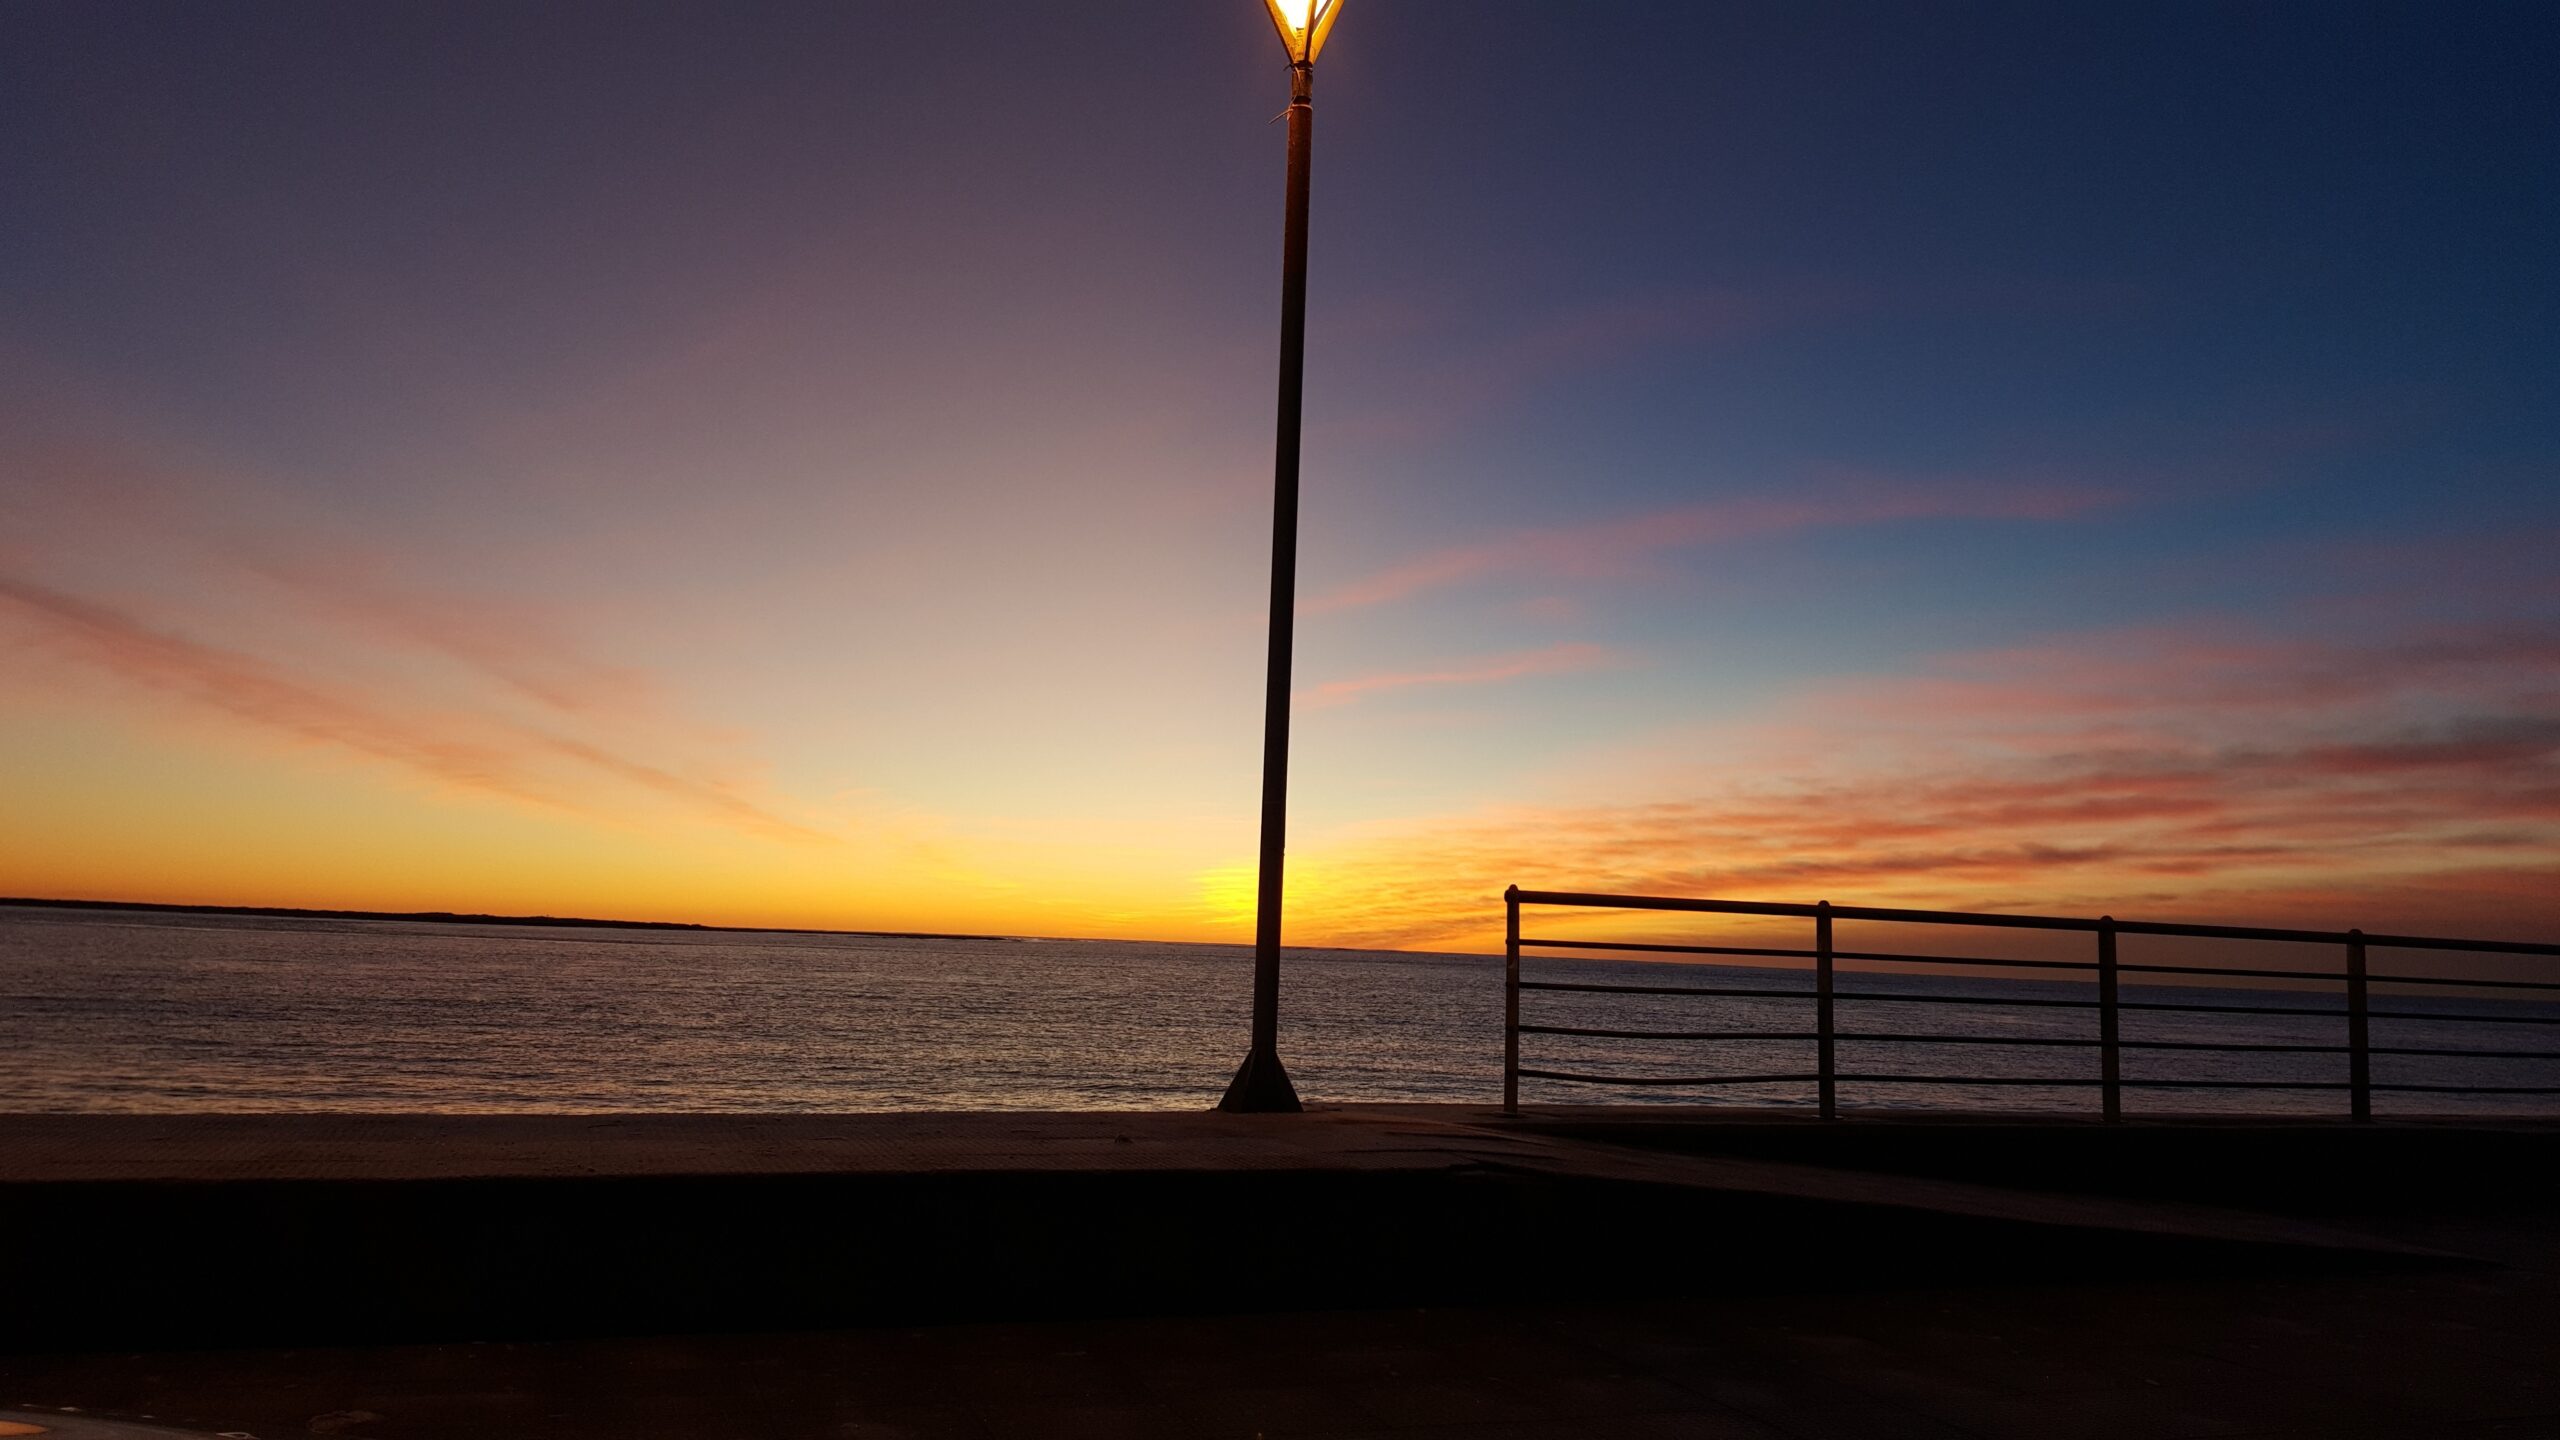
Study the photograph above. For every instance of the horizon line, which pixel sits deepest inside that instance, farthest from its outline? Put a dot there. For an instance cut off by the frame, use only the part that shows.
(457, 917)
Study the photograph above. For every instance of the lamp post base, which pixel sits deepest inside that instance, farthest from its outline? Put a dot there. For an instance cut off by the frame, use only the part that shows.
(1261, 1087)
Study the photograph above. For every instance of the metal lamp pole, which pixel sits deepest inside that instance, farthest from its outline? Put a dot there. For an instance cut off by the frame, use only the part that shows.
(1261, 1083)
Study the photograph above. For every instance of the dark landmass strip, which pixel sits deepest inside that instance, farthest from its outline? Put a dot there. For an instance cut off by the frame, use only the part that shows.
(447, 917)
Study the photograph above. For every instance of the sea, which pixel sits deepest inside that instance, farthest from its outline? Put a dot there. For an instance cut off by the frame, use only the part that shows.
(163, 1012)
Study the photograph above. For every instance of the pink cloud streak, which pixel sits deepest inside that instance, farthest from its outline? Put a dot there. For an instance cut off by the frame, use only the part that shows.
(1610, 547)
(1553, 660)
(2412, 781)
(489, 756)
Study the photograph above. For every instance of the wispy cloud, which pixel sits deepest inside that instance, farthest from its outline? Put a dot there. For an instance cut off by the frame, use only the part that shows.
(1473, 373)
(2409, 781)
(505, 643)
(2229, 673)
(1611, 547)
(479, 753)
(101, 506)
(1479, 362)
(1553, 660)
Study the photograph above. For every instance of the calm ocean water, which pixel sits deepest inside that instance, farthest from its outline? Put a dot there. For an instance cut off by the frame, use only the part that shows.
(105, 1011)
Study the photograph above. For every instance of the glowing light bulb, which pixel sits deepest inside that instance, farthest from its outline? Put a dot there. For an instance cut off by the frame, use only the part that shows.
(1303, 24)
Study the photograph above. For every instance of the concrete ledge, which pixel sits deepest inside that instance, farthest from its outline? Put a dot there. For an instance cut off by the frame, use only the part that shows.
(2306, 1166)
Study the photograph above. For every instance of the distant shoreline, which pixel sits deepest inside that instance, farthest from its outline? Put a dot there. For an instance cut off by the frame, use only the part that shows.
(448, 917)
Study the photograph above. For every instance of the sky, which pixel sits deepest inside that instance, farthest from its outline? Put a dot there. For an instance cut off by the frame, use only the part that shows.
(809, 464)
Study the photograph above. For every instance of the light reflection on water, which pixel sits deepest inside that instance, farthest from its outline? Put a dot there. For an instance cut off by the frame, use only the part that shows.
(147, 1012)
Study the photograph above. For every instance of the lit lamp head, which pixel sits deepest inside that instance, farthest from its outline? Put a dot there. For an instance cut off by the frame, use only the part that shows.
(1303, 24)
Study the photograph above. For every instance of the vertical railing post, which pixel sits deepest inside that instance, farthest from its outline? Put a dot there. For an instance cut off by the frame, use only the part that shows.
(1824, 1068)
(1511, 1003)
(2110, 1077)
(2359, 1043)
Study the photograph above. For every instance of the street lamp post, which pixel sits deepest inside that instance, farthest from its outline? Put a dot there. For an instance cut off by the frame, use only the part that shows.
(1262, 1083)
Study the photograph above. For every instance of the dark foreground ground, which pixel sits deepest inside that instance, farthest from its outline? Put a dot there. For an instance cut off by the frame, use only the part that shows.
(1117, 1276)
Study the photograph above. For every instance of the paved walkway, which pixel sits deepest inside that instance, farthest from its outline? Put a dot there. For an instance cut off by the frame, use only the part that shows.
(2440, 1355)
(2355, 1336)
(1369, 1139)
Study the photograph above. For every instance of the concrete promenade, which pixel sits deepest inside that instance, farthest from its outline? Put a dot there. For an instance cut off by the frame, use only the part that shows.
(1367, 1270)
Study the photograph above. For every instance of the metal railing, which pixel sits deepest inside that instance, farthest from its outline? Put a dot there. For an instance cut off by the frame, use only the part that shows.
(2353, 947)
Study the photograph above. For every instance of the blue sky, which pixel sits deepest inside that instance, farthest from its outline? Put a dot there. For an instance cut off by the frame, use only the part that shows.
(845, 428)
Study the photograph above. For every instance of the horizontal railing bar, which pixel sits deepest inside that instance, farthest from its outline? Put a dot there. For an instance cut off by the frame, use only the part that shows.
(1797, 1079)
(2312, 975)
(2494, 984)
(2473, 1054)
(2048, 1080)
(2168, 1005)
(1659, 948)
(1964, 960)
(2161, 1005)
(2164, 1005)
(2046, 1041)
(2027, 922)
(1866, 1079)
(2237, 1046)
(2241, 1084)
(2059, 1042)
(2476, 1089)
(1670, 1034)
(1600, 989)
(1527, 1074)
(2448, 942)
(1871, 1037)
(2229, 970)
(1844, 1036)
(1651, 947)
(1869, 995)
(1967, 1079)
(1963, 1000)
(2465, 1018)
(2074, 1043)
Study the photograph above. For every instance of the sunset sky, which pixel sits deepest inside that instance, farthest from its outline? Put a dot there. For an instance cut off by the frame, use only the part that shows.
(809, 464)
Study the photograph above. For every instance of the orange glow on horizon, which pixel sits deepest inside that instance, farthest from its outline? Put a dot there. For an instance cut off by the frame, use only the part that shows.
(207, 804)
